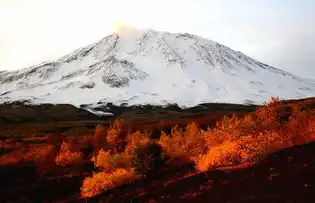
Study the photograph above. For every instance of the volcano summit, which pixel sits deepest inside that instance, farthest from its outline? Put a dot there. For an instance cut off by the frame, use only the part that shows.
(150, 67)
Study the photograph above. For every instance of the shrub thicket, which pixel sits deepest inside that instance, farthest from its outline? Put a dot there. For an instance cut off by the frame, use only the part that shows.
(66, 157)
(147, 158)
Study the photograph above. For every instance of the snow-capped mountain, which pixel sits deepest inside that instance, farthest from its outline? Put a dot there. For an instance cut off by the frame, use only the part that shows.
(150, 67)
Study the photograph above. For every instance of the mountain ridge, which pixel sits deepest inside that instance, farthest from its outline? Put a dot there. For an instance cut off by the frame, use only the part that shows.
(151, 67)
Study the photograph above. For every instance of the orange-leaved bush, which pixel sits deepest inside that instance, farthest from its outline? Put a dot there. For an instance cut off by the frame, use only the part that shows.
(108, 162)
(115, 137)
(135, 140)
(102, 181)
(66, 157)
(185, 144)
(148, 158)
(243, 150)
(99, 137)
(44, 158)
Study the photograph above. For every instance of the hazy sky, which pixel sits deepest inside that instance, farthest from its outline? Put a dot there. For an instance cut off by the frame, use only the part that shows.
(278, 32)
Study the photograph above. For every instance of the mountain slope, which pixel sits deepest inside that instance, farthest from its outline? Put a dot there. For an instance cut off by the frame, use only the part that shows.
(150, 67)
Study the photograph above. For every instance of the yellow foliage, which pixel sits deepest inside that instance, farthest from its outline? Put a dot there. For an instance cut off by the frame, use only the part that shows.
(103, 181)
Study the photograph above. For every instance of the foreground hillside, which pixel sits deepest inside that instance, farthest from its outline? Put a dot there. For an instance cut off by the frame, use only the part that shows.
(285, 176)
(264, 155)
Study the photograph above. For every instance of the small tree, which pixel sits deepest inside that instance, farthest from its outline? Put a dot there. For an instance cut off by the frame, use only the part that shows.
(109, 162)
(135, 140)
(147, 158)
(99, 137)
(115, 136)
(66, 157)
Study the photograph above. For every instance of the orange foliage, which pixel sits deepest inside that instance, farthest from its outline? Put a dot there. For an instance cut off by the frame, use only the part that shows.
(42, 156)
(222, 155)
(187, 144)
(99, 137)
(11, 158)
(230, 129)
(311, 127)
(66, 157)
(109, 162)
(235, 140)
(269, 117)
(247, 149)
(44, 159)
(249, 139)
(103, 181)
(115, 135)
(273, 101)
(135, 140)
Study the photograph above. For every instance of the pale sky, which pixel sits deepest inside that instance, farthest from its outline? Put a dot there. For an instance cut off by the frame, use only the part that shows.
(277, 32)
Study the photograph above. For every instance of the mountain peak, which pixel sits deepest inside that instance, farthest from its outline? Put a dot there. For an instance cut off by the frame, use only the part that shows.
(151, 67)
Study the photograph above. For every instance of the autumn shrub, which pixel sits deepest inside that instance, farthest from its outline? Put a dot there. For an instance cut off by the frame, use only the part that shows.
(195, 141)
(239, 140)
(221, 155)
(135, 140)
(66, 157)
(311, 127)
(147, 158)
(44, 160)
(300, 128)
(99, 137)
(108, 162)
(269, 117)
(42, 156)
(273, 101)
(230, 129)
(233, 141)
(255, 147)
(11, 158)
(115, 136)
(102, 181)
(186, 144)
(245, 149)
(10, 144)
